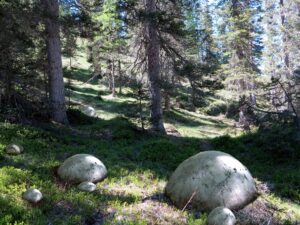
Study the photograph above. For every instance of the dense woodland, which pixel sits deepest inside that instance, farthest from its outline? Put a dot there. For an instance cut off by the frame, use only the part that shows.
(144, 85)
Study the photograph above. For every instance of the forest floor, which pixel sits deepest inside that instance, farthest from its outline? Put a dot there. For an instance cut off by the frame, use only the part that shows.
(139, 164)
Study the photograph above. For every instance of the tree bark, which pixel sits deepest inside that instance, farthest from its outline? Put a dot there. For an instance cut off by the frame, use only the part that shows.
(152, 52)
(55, 73)
(113, 79)
(167, 102)
(285, 50)
(285, 37)
(120, 77)
(109, 74)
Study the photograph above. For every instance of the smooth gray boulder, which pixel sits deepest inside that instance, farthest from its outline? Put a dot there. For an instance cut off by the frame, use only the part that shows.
(82, 167)
(33, 195)
(211, 179)
(221, 216)
(89, 111)
(14, 149)
(87, 186)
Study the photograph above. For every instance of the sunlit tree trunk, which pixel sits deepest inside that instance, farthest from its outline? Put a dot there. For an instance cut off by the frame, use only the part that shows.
(55, 73)
(152, 51)
(285, 37)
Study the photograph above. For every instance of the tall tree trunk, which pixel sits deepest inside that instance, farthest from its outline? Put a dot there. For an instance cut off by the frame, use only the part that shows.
(113, 78)
(55, 73)
(152, 51)
(298, 83)
(285, 50)
(285, 37)
(167, 101)
(8, 88)
(109, 74)
(120, 77)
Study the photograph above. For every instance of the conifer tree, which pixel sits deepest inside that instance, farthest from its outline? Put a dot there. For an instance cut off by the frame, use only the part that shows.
(243, 42)
(153, 62)
(55, 73)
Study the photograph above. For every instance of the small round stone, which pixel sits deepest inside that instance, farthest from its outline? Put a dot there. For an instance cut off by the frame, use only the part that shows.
(33, 195)
(87, 186)
(221, 216)
(89, 111)
(14, 149)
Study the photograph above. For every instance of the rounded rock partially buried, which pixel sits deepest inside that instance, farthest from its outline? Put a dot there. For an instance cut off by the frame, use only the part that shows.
(82, 167)
(211, 179)
(221, 216)
(14, 149)
(89, 111)
(87, 186)
(33, 195)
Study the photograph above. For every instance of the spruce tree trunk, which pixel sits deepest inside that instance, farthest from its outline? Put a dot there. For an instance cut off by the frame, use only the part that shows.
(120, 77)
(298, 84)
(109, 74)
(285, 38)
(55, 73)
(285, 50)
(8, 88)
(152, 52)
(167, 102)
(113, 79)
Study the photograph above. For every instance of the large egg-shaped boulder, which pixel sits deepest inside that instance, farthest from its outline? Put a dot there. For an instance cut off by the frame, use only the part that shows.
(82, 167)
(211, 179)
(221, 216)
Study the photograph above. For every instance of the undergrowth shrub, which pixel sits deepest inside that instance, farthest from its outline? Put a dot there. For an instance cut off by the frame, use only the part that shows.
(165, 152)
(229, 144)
(216, 108)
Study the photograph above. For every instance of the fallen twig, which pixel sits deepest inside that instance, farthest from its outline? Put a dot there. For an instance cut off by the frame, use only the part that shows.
(194, 193)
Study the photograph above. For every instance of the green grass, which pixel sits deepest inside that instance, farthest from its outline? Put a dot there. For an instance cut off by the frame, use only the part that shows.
(139, 163)
(125, 153)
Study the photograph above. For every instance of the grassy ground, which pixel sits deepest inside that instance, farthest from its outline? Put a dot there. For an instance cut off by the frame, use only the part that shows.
(139, 164)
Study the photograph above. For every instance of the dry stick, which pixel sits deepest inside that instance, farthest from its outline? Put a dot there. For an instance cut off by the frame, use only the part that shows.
(92, 78)
(269, 222)
(194, 193)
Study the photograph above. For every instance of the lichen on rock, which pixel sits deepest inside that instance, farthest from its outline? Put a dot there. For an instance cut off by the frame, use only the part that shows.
(211, 179)
(82, 167)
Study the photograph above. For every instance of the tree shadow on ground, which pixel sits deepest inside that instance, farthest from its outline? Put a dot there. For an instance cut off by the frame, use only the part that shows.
(176, 116)
(84, 90)
(80, 75)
